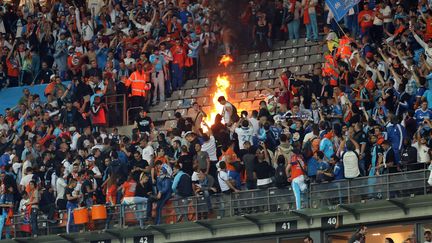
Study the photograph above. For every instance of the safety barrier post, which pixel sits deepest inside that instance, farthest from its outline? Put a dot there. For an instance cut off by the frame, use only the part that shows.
(349, 191)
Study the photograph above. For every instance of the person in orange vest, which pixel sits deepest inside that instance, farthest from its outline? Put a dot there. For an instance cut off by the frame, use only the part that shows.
(344, 50)
(329, 70)
(139, 82)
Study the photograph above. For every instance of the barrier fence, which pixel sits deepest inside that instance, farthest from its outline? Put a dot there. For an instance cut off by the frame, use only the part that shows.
(206, 206)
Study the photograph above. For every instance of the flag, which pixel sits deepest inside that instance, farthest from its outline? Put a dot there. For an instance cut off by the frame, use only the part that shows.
(340, 8)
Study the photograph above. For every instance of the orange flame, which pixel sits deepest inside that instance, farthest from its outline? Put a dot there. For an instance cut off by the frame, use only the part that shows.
(222, 85)
(226, 60)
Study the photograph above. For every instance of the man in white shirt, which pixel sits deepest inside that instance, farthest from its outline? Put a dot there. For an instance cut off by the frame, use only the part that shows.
(147, 151)
(226, 111)
(350, 159)
(25, 180)
(245, 133)
(254, 122)
(226, 187)
(75, 136)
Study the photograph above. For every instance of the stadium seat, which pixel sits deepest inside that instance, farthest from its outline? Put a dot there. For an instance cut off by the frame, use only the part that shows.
(155, 116)
(243, 67)
(265, 65)
(253, 57)
(317, 58)
(189, 93)
(204, 100)
(265, 93)
(252, 95)
(176, 104)
(203, 82)
(280, 71)
(268, 83)
(300, 42)
(291, 61)
(253, 66)
(302, 60)
(278, 54)
(178, 94)
(268, 74)
(161, 106)
(266, 55)
(255, 104)
(244, 106)
(238, 78)
(170, 124)
(277, 63)
(190, 84)
(295, 69)
(239, 97)
(183, 112)
(291, 52)
(239, 87)
(167, 115)
(252, 86)
(254, 76)
(317, 49)
(202, 92)
(279, 45)
(306, 69)
(291, 43)
(303, 51)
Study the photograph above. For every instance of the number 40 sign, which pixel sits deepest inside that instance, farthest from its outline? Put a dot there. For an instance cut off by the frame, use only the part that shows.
(330, 222)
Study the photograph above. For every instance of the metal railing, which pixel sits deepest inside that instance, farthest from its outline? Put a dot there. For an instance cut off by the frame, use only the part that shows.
(388, 186)
(117, 105)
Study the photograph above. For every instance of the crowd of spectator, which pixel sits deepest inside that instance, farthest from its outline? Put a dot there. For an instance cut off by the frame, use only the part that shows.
(366, 112)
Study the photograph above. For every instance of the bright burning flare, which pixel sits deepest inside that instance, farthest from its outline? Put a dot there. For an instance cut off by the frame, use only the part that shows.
(225, 60)
(222, 85)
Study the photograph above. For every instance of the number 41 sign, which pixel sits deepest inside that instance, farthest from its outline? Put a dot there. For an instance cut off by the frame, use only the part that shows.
(286, 225)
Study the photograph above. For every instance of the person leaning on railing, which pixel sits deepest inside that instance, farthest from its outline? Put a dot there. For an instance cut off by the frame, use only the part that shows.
(205, 186)
(227, 186)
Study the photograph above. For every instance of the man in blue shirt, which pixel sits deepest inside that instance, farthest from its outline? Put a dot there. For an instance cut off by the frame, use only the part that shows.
(184, 14)
(322, 167)
(395, 134)
(158, 77)
(423, 113)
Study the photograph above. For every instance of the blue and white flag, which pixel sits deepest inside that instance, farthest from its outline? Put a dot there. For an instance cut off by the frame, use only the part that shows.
(340, 8)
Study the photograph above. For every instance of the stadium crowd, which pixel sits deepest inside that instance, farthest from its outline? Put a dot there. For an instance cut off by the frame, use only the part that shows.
(366, 112)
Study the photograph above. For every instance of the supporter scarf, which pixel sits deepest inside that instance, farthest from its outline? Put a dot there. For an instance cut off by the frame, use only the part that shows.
(306, 18)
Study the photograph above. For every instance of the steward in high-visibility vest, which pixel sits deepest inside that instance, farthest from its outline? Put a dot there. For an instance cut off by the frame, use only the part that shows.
(329, 70)
(344, 49)
(139, 81)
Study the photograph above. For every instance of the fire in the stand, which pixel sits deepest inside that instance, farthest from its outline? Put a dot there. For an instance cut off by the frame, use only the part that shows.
(222, 85)
(225, 60)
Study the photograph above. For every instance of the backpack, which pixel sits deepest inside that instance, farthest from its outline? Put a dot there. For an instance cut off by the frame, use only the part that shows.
(280, 177)
(234, 115)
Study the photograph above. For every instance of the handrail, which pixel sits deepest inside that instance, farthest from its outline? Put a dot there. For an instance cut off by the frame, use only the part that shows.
(130, 109)
(255, 201)
(123, 102)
